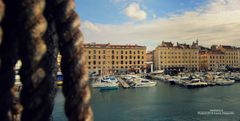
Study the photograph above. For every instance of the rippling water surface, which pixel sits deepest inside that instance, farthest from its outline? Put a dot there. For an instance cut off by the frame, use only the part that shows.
(162, 103)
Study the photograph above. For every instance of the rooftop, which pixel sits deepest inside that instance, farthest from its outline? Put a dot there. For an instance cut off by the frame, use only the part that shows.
(112, 45)
(181, 46)
(215, 52)
(227, 47)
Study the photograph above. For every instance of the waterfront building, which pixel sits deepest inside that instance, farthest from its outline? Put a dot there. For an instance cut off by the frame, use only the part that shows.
(212, 60)
(108, 59)
(149, 62)
(180, 56)
(220, 57)
(232, 58)
(59, 57)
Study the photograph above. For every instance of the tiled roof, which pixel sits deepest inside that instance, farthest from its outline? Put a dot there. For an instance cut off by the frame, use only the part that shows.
(215, 52)
(110, 45)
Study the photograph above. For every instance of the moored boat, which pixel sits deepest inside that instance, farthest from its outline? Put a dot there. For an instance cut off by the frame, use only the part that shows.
(144, 83)
(195, 83)
(108, 83)
(222, 81)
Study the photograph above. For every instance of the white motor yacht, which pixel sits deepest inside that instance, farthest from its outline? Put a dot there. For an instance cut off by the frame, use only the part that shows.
(223, 81)
(144, 83)
(106, 83)
(195, 83)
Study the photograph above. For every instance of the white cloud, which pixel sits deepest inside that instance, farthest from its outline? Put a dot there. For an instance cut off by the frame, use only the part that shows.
(216, 23)
(90, 26)
(154, 16)
(125, 1)
(135, 12)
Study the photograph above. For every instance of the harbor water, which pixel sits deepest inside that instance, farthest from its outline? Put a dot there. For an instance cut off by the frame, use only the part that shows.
(162, 103)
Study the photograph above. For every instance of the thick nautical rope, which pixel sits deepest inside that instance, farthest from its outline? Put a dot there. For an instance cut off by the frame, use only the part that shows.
(9, 56)
(32, 26)
(75, 85)
(2, 7)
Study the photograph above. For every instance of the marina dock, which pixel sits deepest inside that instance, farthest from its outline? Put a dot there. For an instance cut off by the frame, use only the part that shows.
(123, 83)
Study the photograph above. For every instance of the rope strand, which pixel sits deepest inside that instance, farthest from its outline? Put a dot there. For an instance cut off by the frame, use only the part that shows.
(31, 31)
(9, 57)
(2, 7)
(75, 84)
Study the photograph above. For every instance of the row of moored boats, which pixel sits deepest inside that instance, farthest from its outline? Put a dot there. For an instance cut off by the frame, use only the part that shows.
(194, 80)
(125, 81)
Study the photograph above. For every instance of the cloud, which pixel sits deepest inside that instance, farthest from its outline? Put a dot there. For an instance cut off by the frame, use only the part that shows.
(218, 22)
(125, 1)
(90, 26)
(135, 12)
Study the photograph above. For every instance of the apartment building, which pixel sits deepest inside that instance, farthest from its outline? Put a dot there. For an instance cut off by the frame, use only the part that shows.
(212, 60)
(232, 58)
(108, 59)
(179, 56)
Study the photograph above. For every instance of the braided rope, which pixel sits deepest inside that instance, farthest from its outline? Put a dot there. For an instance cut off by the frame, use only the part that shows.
(2, 7)
(75, 85)
(3, 109)
(9, 56)
(34, 94)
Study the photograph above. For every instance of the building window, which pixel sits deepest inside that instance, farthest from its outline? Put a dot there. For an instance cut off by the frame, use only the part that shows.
(104, 51)
(94, 51)
(89, 57)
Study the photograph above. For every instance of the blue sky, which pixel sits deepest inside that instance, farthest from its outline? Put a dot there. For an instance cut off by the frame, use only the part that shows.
(111, 12)
(149, 22)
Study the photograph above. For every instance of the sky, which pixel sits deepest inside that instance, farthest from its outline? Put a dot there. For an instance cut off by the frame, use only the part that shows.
(149, 22)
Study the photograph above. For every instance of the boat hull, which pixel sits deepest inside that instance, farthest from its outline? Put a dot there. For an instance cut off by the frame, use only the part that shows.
(109, 88)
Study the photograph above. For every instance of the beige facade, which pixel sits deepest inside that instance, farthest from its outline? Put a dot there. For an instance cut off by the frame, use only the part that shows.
(168, 56)
(212, 60)
(150, 56)
(149, 62)
(220, 57)
(108, 59)
(231, 55)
